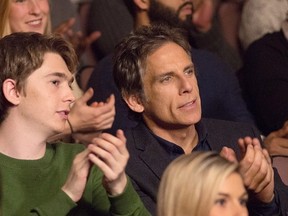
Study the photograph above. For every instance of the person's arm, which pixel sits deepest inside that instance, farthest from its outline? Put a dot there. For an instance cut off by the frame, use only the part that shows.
(87, 121)
(277, 141)
(258, 176)
(110, 155)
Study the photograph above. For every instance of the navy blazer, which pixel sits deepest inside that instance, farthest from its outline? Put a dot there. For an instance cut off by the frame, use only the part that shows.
(148, 159)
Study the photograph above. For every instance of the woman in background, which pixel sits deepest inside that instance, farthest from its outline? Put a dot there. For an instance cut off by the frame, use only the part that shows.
(202, 184)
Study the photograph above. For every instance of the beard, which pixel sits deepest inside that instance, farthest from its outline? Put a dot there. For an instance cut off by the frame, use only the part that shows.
(159, 13)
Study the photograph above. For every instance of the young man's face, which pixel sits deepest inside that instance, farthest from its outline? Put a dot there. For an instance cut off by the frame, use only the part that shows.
(231, 198)
(29, 15)
(46, 97)
(175, 12)
(170, 89)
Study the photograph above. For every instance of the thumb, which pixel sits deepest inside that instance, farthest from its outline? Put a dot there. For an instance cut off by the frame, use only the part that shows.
(93, 37)
(228, 154)
(87, 95)
(120, 135)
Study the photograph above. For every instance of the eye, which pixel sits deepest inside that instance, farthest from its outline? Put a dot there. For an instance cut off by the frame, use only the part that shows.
(165, 79)
(190, 71)
(55, 82)
(243, 202)
(221, 202)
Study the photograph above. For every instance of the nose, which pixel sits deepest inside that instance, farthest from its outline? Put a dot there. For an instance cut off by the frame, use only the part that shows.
(69, 96)
(185, 85)
(34, 7)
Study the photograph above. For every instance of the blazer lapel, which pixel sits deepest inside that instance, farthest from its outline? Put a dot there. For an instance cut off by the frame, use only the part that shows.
(152, 154)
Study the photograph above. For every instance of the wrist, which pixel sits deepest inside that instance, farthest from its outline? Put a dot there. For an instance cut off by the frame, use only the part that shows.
(116, 187)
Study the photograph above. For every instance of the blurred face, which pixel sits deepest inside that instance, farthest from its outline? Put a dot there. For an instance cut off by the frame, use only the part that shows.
(231, 199)
(171, 92)
(46, 97)
(174, 12)
(29, 15)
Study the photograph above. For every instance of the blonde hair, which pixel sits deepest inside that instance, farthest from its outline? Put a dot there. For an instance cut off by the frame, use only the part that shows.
(190, 184)
(5, 28)
(4, 12)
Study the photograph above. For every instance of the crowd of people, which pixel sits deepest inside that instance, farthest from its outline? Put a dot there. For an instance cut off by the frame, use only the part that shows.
(143, 107)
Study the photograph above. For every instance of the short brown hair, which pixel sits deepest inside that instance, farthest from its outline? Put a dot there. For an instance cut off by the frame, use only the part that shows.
(131, 54)
(22, 53)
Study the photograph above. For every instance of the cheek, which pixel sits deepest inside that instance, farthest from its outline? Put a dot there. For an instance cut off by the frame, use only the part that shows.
(15, 16)
(45, 7)
(218, 211)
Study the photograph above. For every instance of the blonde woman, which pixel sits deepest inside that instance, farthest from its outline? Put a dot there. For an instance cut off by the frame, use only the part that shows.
(202, 184)
(85, 122)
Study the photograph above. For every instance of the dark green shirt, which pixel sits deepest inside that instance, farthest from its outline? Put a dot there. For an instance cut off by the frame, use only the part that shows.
(33, 187)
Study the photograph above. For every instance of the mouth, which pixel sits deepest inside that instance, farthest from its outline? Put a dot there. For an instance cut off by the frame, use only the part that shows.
(64, 114)
(188, 105)
(34, 22)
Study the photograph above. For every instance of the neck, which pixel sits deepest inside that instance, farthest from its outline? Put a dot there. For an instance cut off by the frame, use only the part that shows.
(19, 141)
(141, 19)
(186, 137)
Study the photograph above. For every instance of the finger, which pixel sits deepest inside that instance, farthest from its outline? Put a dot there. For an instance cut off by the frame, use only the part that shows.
(243, 143)
(109, 174)
(253, 175)
(106, 151)
(247, 160)
(92, 37)
(80, 161)
(111, 99)
(264, 176)
(65, 26)
(109, 155)
(87, 96)
(122, 148)
(268, 175)
(228, 154)
(256, 142)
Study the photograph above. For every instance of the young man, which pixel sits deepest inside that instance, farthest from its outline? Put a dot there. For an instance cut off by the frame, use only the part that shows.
(36, 73)
(157, 79)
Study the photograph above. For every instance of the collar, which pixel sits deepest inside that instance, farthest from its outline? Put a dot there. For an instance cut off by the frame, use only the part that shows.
(174, 150)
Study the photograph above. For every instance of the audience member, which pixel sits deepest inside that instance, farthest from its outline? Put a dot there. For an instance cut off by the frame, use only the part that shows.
(264, 79)
(114, 22)
(220, 90)
(69, 19)
(208, 26)
(217, 188)
(229, 14)
(156, 77)
(27, 16)
(260, 17)
(59, 178)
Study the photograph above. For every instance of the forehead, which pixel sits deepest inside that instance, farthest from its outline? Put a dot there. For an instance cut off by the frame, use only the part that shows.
(168, 56)
(53, 63)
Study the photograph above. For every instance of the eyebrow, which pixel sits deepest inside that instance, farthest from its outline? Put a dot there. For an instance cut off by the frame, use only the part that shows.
(61, 75)
(191, 66)
(227, 195)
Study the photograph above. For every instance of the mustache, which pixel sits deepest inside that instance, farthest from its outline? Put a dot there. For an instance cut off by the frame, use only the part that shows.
(184, 5)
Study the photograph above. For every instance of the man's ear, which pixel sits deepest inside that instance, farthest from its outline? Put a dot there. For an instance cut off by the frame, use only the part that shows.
(142, 4)
(134, 103)
(10, 91)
